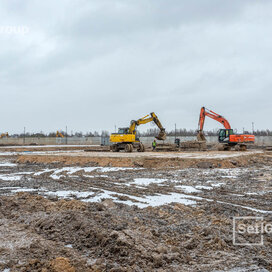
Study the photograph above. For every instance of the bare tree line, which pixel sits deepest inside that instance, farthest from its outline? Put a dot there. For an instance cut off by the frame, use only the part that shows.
(150, 132)
(191, 132)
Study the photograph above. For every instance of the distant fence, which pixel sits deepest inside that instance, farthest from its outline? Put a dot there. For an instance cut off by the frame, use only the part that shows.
(259, 140)
(51, 141)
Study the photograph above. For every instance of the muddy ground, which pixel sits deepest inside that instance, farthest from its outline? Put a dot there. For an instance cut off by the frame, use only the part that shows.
(86, 217)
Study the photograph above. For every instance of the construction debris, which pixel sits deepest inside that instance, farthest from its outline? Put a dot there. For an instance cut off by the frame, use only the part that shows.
(182, 146)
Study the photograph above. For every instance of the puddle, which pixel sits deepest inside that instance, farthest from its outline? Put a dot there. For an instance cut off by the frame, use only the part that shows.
(7, 164)
(9, 177)
(68, 194)
(188, 189)
(147, 181)
(204, 187)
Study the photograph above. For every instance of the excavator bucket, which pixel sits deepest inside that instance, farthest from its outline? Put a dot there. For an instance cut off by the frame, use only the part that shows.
(161, 136)
(200, 136)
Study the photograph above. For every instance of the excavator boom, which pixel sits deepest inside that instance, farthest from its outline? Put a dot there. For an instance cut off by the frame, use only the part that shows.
(147, 119)
(219, 118)
(59, 134)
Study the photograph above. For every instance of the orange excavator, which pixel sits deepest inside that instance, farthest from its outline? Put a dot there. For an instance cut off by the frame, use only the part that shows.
(227, 138)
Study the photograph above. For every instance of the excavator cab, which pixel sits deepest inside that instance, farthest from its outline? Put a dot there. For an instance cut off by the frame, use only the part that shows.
(126, 131)
(123, 130)
(224, 135)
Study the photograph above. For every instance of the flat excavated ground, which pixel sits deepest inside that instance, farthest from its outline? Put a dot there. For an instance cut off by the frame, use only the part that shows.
(88, 211)
(145, 159)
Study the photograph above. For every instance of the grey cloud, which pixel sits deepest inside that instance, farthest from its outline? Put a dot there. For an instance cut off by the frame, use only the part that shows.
(93, 64)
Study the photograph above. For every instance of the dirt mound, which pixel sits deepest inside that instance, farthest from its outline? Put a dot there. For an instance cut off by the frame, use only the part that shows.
(147, 161)
(61, 265)
(33, 203)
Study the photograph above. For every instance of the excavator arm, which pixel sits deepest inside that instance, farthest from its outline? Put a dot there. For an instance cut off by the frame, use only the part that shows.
(219, 118)
(206, 112)
(147, 119)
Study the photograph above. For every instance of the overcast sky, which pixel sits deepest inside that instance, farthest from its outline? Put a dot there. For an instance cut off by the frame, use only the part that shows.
(94, 64)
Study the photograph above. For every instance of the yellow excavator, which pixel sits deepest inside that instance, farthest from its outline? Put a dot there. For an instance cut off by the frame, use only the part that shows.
(126, 138)
(4, 135)
(59, 134)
